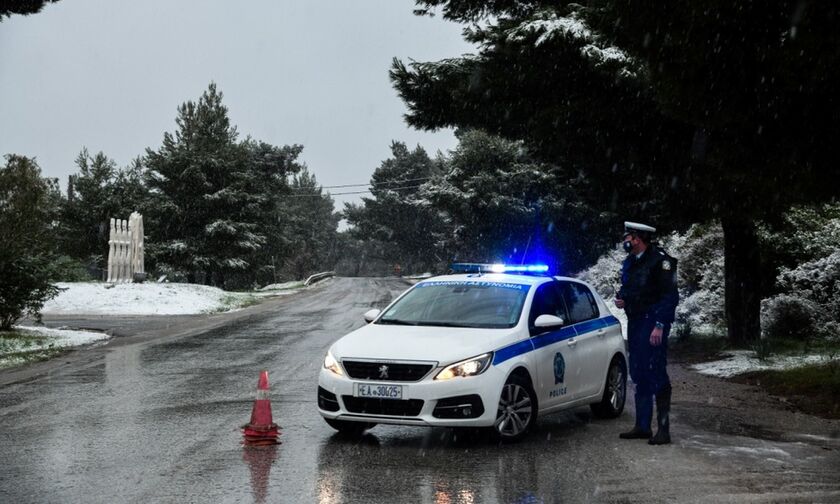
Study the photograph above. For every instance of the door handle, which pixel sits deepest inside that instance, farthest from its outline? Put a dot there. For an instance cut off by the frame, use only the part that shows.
(601, 333)
(572, 342)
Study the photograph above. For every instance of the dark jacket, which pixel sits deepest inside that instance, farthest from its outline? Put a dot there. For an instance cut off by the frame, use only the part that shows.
(649, 286)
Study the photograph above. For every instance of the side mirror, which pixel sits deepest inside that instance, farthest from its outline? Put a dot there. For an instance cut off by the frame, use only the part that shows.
(548, 321)
(370, 315)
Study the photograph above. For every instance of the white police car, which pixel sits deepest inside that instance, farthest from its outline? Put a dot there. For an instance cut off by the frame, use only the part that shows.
(491, 348)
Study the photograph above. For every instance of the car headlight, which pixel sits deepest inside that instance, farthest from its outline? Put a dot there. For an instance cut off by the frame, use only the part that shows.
(332, 364)
(470, 367)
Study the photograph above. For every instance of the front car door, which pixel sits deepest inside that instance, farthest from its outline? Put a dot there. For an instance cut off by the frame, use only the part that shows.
(591, 346)
(554, 349)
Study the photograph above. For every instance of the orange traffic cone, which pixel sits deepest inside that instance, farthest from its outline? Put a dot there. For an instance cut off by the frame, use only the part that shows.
(261, 430)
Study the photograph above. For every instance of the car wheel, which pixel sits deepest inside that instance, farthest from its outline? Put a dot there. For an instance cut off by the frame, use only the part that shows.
(517, 410)
(349, 428)
(615, 391)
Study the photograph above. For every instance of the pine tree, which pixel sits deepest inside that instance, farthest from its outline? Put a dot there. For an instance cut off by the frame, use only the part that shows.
(310, 226)
(503, 206)
(400, 228)
(206, 212)
(677, 111)
(98, 192)
(273, 166)
(88, 208)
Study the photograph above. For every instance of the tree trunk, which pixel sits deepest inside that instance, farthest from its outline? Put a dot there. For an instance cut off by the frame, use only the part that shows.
(742, 268)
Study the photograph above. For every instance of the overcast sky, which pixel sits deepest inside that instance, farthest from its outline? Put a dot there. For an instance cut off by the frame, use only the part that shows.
(109, 75)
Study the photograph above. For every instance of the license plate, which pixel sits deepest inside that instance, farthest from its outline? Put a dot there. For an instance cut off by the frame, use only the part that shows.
(379, 391)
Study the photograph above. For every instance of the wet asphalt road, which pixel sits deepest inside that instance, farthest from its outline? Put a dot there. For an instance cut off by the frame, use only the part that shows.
(157, 420)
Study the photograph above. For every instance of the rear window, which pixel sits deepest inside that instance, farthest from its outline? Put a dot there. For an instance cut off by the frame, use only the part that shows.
(580, 302)
(493, 305)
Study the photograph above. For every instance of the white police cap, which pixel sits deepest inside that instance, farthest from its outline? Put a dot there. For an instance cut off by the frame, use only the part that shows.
(635, 226)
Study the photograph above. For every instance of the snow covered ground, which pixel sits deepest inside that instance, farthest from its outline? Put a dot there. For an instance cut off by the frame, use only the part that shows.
(744, 361)
(97, 298)
(34, 343)
(283, 286)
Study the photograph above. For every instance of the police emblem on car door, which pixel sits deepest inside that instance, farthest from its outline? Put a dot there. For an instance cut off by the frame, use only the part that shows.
(559, 368)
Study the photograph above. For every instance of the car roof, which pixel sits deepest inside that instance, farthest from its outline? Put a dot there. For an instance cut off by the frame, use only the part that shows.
(497, 277)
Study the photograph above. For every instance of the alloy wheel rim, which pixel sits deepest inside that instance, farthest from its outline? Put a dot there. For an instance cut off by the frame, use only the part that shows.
(515, 410)
(616, 384)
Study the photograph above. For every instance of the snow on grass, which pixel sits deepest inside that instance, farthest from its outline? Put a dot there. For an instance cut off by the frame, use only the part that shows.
(96, 298)
(295, 284)
(745, 361)
(29, 344)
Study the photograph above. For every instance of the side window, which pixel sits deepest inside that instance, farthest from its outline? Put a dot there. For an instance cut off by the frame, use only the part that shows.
(581, 302)
(548, 300)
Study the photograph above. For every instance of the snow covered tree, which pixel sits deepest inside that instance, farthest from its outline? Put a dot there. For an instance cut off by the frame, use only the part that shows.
(272, 166)
(808, 245)
(86, 213)
(95, 194)
(27, 212)
(398, 227)
(678, 111)
(502, 205)
(310, 225)
(205, 201)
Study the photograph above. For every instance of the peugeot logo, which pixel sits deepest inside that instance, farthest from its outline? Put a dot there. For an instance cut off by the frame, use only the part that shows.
(383, 371)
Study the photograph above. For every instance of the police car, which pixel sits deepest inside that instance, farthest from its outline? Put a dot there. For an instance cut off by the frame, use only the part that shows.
(487, 346)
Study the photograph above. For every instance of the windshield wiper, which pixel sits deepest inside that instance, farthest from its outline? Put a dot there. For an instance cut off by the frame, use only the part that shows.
(395, 322)
(444, 324)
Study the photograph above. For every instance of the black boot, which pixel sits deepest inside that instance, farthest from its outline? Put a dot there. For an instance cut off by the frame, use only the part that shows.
(644, 410)
(635, 433)
(663, 407)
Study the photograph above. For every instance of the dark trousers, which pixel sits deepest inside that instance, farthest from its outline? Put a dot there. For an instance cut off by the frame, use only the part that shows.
(648, 366)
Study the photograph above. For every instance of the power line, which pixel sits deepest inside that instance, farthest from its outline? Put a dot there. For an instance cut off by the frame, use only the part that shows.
(378, 184)
(346, 193)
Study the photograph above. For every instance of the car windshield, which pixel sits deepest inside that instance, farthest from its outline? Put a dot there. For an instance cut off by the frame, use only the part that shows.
(493, 305)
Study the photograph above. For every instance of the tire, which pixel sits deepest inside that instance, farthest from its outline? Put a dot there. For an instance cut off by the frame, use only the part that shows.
(349, 428)
(517, 411)
(615, 391)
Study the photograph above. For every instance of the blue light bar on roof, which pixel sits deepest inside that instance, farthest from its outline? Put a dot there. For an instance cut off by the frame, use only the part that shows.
(498, 268)
(526, 268)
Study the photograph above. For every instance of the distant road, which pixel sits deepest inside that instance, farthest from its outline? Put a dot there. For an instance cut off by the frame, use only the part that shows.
(154, 416)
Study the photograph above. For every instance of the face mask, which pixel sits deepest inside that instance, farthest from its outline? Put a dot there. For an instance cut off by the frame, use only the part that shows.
(628, 247)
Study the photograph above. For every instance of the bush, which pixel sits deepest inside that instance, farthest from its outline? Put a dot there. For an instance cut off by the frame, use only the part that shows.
(68, 269)
(817, 280)
(790, 317)
(701, 279)
(605, 275)
(27, 209)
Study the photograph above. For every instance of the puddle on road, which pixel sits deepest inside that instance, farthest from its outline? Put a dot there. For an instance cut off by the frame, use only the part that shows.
(259, 460)
(754, 452)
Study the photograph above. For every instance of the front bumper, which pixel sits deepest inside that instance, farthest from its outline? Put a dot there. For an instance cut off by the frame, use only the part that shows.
(458, 402)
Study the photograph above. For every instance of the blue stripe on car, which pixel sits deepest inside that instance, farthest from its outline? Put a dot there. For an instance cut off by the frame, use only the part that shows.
(589, 325)
(523, 347)
(610, 321)
(512, 351)
(553, 337)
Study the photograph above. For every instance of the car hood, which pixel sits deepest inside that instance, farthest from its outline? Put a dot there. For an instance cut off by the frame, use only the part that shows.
(444, 345)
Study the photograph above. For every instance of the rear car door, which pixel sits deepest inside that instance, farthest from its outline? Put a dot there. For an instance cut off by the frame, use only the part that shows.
(554, 349)
(590, 348)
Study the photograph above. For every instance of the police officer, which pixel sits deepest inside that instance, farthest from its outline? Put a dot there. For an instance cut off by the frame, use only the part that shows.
(649, 297)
